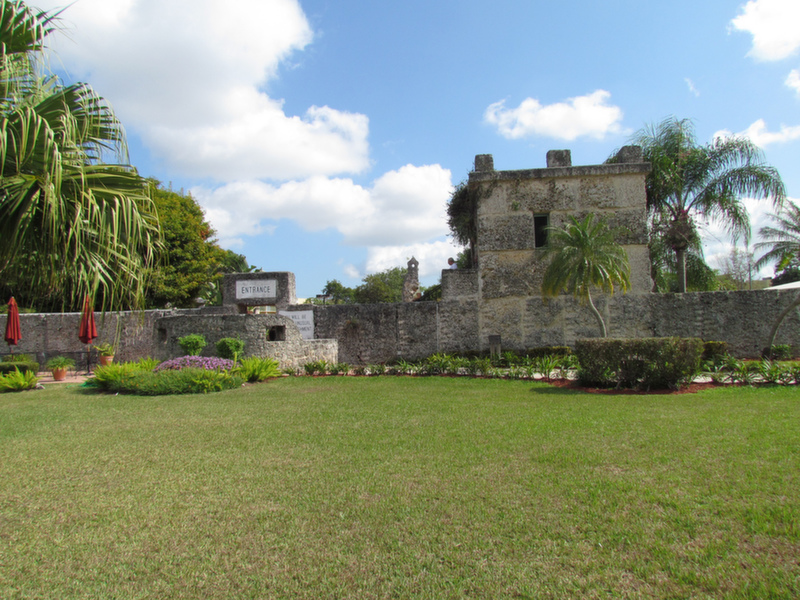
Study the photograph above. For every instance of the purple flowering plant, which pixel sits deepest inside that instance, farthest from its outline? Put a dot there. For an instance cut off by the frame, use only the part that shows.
(209, 363)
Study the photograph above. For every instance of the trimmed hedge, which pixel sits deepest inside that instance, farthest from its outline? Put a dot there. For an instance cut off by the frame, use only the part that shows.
(646, 363)
(23, 367)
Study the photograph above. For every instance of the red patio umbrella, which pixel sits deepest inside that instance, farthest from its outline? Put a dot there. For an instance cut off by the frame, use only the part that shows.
(13, 335)
(88, 330)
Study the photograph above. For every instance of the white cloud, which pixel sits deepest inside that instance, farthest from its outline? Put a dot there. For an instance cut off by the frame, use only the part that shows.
(589, 116)
(402, 208)
(188, 77)
(773, 25)
(758, 134)
(692, 89)
(793, 80)
(432, 257)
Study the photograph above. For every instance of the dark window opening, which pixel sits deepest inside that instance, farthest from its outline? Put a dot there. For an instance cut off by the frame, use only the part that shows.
(276, 334)
(540, 224)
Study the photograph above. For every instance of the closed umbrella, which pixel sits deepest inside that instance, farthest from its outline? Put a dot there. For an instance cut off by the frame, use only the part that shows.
(88, 329)
(13, 335)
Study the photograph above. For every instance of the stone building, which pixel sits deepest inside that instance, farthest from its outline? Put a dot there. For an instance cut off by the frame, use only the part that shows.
(500, 300)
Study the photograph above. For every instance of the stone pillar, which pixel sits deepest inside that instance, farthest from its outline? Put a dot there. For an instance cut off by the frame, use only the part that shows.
(484, 162)
(559, 158)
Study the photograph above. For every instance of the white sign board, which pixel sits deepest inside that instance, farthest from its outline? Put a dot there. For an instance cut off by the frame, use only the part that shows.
(256, 288)
(304, 319)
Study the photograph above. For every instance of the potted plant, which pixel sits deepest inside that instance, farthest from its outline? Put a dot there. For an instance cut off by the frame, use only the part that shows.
(105, 353)
(59, 366)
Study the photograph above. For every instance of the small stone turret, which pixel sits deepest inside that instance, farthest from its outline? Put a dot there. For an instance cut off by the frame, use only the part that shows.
(411, 284)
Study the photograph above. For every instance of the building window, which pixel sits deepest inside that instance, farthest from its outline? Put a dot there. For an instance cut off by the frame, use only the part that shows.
(277, 333)
(540, 224)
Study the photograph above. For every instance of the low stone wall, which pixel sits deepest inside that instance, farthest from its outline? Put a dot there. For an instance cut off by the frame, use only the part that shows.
(155, 333)
(269, 335)
(377, 333)
(385, 332)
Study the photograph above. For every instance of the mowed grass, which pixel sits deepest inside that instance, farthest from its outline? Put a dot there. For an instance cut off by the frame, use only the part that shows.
(399, 487)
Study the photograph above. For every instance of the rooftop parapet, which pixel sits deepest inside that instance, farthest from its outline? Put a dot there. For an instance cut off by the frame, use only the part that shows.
(559, 164)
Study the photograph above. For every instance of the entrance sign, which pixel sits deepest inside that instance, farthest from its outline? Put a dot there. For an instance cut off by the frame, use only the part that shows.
(304, 319)
(256, 288)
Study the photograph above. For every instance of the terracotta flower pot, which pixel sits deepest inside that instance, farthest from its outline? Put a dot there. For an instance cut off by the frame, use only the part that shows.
(59, 374)
(104, 361)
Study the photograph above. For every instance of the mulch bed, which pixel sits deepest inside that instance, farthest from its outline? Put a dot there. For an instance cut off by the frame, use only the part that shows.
(692, 388)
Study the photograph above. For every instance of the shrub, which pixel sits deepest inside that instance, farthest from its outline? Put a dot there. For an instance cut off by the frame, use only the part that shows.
(18, 358)
(480, 366)
(549, 351)
(146, 364)
(59, 362)
(22, 366)
(210, 363)
(116, 377)
(192, 344)
(648, 363)
(775, 372)
(546, 365)
(256, 368)
(376, 369)
(18, 381)
(230, 348)
(316, 367)
(137, 378)
(714, 352)
(339, 369)
(778, 352)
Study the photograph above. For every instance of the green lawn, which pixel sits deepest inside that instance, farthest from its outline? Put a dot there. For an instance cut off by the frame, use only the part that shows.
(398, 487)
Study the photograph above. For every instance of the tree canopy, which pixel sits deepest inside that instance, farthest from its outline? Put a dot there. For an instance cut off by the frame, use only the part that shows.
(190, 260)
(688, 180)
(70, 222)
(384, 286)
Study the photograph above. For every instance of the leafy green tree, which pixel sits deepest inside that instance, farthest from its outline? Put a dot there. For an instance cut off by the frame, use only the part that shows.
(663, 265)
(781, 241)
(782, 244)
(229, 262)
(70, 223)
(191, 259)
(584, 255)
(339, 294)
(689, 180)
(462, 218)
(385, 286)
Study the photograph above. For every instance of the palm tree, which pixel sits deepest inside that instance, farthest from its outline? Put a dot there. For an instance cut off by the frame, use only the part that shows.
(583, 255)
(781, 241)
(782, 245)
(70, 224)
(689, 180)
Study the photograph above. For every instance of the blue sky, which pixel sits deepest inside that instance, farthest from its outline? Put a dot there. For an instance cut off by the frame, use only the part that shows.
(323, 137)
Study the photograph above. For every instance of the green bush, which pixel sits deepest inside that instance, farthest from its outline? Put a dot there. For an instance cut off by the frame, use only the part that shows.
(339, 369)
(21, 366)
(256, 368)
(316, 367)
(714, 352)
(192, 344)
(647, 363)
(129, 378)
(778, 352)
(230, 348)
(18, 381)
(17, 358)
(59, 362)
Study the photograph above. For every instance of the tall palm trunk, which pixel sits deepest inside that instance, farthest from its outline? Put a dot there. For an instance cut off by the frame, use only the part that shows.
(597, 315)
(680, 259)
